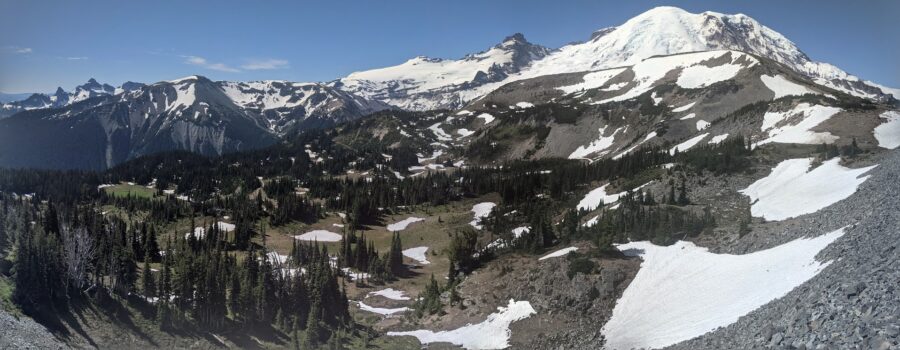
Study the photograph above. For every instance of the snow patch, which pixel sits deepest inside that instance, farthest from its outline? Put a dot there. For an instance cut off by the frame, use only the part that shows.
(559, 253)
(792, 189)
(686, 145)
(438, 132)
(701, 76)
(592, 80)
(481, 210)
(417, 254)
(487, 118)
(524, 105)
(783, 87)
(811, 116)
(718, 139)
(381, 311)
(684, 108)
(702, 124)
(888, 133)
(598, 196)
(600, 144)
(402, 224)
(463, 132)
(493, 333)
(390, 293)
(683, 291)
(319, 235)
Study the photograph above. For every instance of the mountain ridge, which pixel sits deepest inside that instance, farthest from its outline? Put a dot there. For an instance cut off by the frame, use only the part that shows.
(660, 31)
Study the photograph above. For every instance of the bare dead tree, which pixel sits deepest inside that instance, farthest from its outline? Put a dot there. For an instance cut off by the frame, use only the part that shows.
(79, 252)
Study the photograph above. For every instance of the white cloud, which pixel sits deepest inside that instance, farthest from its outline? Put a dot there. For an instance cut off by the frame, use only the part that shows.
(270, 63)
(202, 62)
(16, 50)
(76, 58)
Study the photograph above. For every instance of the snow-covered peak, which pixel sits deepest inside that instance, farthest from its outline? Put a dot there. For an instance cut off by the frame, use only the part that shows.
(180, 80)
(425, 83)
(403, 84)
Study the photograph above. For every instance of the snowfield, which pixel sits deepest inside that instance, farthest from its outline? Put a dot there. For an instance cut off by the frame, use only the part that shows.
(417, 254)
(319, 235)
(440, 133)
(381, 311)
(592, 80)
(493, 333)
(686, 145)
(390, 293)
(650, 135)
(718, 139)
(481, 210)
(559, 253)
(783, 87)
(487, 118)
(684, 108)
(888, 133)
(523, 105)
(683, 291)
(702, 124)
(651, 70)
(782, 131)
(792, 189)
(598, 196)
(402, 224)
(601, 144)
(699, 76)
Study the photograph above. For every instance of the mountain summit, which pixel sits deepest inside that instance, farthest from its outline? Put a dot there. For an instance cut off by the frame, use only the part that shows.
(435, 83)
(425, 83)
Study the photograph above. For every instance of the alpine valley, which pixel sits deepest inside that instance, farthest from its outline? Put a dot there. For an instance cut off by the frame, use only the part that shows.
(681, 181)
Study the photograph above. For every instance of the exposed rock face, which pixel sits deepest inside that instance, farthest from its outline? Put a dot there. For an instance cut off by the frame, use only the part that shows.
(192, 114)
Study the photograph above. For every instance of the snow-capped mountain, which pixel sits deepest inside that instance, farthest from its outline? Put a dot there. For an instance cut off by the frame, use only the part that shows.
(62, 98)
(433, 83)
(428, 83)
(192, 113)
(285, 104)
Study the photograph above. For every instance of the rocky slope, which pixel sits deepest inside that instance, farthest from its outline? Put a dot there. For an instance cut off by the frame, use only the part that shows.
(24, 333)
(677, 101)
(853, 302)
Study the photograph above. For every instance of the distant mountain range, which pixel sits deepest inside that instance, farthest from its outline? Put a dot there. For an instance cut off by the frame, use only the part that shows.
(97, 125)
(95, 130)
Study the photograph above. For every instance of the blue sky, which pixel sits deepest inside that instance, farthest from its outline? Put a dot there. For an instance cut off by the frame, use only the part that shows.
(45, 44)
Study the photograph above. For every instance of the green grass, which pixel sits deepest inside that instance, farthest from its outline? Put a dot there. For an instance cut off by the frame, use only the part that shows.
(125, 190)
(6, 293)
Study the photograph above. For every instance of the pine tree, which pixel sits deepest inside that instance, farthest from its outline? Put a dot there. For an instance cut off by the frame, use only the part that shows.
(148, 283)
(313, 331)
